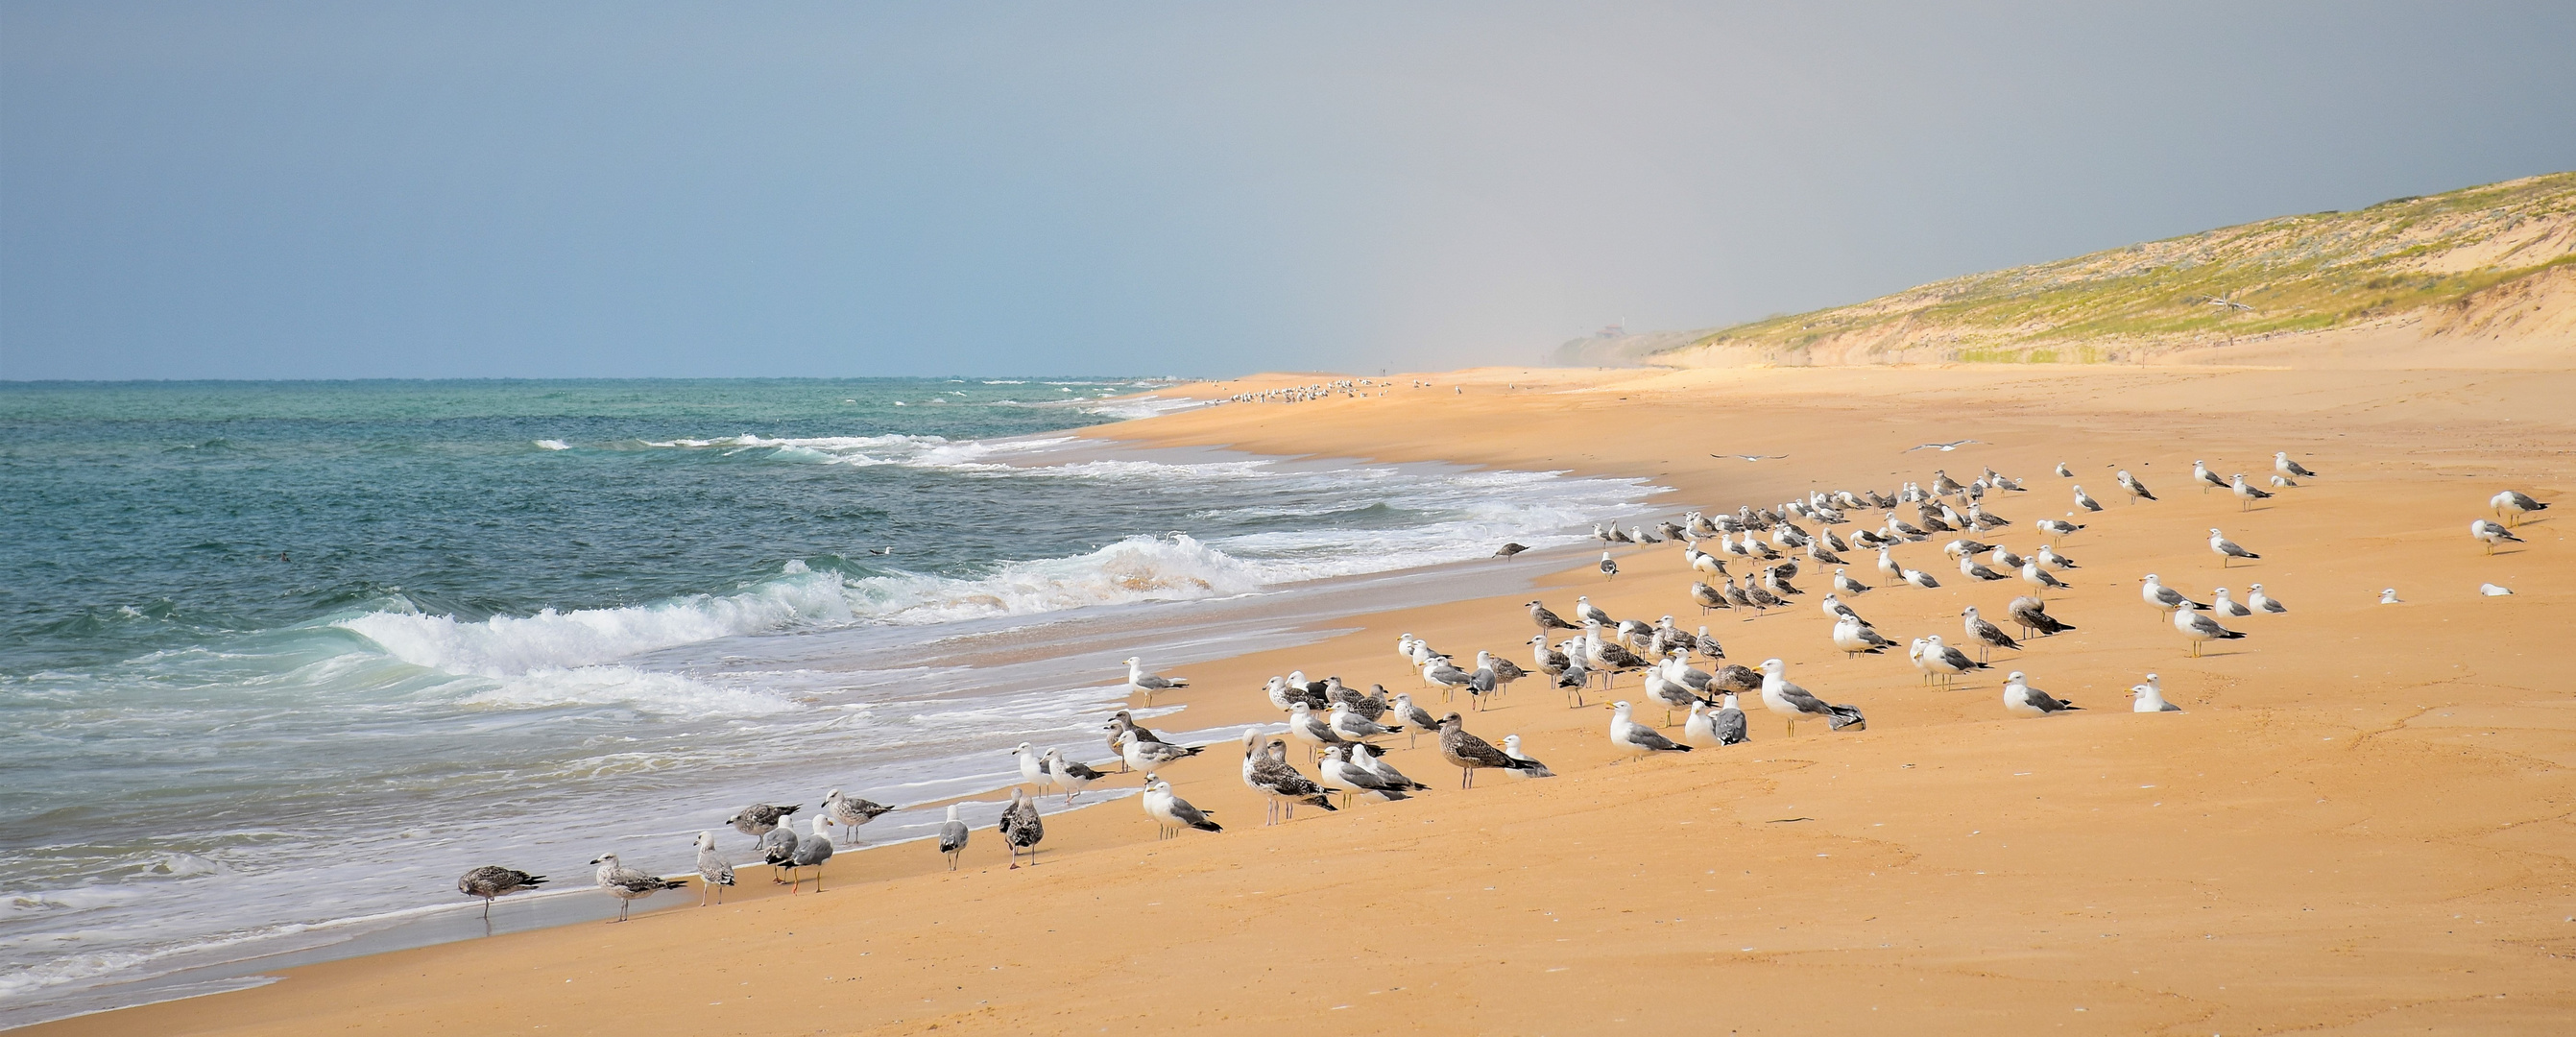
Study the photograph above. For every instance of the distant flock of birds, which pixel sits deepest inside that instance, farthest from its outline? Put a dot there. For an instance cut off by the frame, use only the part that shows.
(1316, 391)
(1344, 728)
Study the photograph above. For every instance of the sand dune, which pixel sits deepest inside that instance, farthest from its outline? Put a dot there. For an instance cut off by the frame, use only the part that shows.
(2360, 824)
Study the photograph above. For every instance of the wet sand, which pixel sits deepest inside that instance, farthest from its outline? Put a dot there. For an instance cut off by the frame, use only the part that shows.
(2361, 823)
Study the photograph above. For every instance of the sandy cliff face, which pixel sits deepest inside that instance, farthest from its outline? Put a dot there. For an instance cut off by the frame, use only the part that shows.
(2408, 282)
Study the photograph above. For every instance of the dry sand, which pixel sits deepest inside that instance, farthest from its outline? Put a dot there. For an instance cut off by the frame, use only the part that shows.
(2360, 825)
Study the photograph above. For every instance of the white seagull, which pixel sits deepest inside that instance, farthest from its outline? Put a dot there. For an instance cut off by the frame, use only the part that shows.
(2226, 549)
(1637, 738)
(1146, 683)
(2492, 535)
(2200, 628)
(2022, 700)
(2150, 698)
(2262, 602)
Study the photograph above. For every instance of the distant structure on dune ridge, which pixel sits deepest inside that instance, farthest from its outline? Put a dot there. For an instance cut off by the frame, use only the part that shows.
(2483, 276)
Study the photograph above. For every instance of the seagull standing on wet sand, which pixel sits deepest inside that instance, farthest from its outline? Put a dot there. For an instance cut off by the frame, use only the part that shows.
(1609, 568)
(757, 819)
(714, 872)
(850, 812)
(1142, 755)
(627, 884)
(492, 881)
(1070, 775)
(952, 837)
(811, 852)
(1147, 684)
(1021, 827)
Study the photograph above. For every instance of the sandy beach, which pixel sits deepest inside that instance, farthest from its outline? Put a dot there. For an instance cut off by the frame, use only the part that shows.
(2360, 823)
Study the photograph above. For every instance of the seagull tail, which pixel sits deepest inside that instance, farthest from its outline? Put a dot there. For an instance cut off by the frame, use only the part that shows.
(1840, 717)
(1319, 800)
(672, 884)
(1206, 825)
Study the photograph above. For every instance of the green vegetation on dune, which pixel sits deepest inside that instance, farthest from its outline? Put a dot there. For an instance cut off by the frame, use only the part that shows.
(2289, 274)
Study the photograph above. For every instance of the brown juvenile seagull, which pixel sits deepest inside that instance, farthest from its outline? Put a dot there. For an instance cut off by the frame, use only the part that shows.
(492, 881)
(1470, 753)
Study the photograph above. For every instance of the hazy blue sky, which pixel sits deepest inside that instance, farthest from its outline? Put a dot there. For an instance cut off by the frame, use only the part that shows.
(779, 188)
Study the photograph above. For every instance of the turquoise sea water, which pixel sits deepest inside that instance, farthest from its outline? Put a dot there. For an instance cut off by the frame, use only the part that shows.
(278, 654)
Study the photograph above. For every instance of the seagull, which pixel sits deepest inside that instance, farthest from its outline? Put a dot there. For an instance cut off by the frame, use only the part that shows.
(2491, 535)
(1033, 767)
(1942, 447)
(2063, 472)
(778, 850)
(1071, 775)
(2085, 500)
(1354, 727)
(2150, 698)
(850, 811)
(1142, 755)
(1944, 661)
(1441, 671)
(2261, 602)
(493, 881)
(1792, 701)
(757, 819)
(1336, 773)
(2389, 597)
(2226, 549)
(952, 837)
(1586, 610)
(2161, 596)
(2022, 700)
(2049, 558)
(2031, 614)
(2057, 527)
(2221, 606)
(1470, 754)
(2200, 628)
(1141, 681)
(1639, 739)
(1968, 567)
(1123, 723)
(2513, 505)
(713, 869)
(2281, 463)
(811, 852)
(1856, 638)
(2226, 303)
(1609, 569)
(2246, 494)
(1365, 757)
(1749, 457)
(1172, 812)
(2130, 483)
(1727, 722)
(1707, 598)
(1987, 635)
(1505, 551)
(1534, 769)
(2490, 590)
(2033, 574)
(1545, 619)
(1846, 585)
(2201, 474)
(626, 884)
(1021, 827)
(1270, 775)
(1920, 578)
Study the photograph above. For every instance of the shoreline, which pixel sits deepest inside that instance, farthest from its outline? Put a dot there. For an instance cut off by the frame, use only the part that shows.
(1467, 943)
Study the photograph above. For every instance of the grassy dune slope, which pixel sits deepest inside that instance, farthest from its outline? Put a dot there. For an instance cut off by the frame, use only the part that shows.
(2407, 261)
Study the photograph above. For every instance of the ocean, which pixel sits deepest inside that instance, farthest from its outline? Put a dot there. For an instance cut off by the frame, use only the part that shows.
(279, 660)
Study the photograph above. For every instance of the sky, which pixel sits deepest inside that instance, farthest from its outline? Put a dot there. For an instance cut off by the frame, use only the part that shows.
(638, 189)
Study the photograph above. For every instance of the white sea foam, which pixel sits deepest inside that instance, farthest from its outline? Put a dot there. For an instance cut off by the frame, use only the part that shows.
(553, 444)
(1144, 407)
